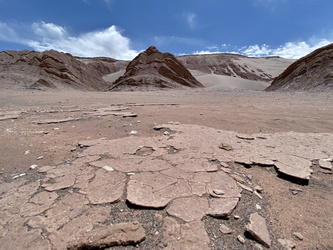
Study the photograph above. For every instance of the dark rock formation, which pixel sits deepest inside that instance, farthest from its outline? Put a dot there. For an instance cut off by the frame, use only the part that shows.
(49, 69)
(313, 72)
(152, 70)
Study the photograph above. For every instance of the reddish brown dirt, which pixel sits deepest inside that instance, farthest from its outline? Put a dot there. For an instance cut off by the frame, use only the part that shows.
(23, 141)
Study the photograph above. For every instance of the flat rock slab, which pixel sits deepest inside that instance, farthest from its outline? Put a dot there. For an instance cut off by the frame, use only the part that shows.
(258, 229)
(55, 121)
(182, 172)
(113, 235)
(185, 236)
(10, 115)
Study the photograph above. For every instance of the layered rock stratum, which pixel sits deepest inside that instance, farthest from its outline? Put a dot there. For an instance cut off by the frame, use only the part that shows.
(152, 70)
(313, 72)
(48, 69)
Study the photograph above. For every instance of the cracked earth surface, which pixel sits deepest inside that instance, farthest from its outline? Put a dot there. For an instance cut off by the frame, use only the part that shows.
(180, 181)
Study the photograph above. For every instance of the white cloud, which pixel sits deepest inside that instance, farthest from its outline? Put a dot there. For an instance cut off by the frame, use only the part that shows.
(108, 42)
(7, 33)
(190, 18)
(292, 50)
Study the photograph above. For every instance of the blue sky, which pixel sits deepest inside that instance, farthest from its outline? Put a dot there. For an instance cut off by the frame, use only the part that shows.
(122, 28)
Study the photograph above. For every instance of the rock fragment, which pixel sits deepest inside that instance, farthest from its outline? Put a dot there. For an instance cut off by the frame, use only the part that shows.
(298, 235)
(113, 235)
(225, 230)
(225, 146)
(241, 239)
(287, 244)
(257, 228)
(325, 164)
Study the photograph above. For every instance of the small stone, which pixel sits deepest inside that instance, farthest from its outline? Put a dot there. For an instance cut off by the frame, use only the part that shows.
(218, 192)
(108, 168)
(258, 188)
(40, 157)
(225, 146)
(245, 187)
(298, 235)
(133, 132)
(325, 164)
(165, 244)
(33, 166)
(237, 217)
(225, 230)
(241, 239)
(257, 247)
(27, 152)
(225, 165)
(245, 137)
(249, 177)
(237, 178)
(19, 175)
(257, 194)
(258, 207)
(166, 133)
(287, 244)
(258, 229)
(73, 149)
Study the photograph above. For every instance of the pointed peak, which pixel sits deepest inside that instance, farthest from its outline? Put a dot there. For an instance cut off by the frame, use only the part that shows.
(152, 49)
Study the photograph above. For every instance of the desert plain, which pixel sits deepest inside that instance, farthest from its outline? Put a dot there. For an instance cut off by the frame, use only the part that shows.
(45, 129)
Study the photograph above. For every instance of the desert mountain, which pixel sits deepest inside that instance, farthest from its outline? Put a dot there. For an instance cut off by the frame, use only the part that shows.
(251, 68)
(51, 69)
(152, 70)
(313, 72)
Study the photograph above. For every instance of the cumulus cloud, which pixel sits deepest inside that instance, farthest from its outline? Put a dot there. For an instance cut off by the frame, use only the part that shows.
(290, 50)
(108, 42)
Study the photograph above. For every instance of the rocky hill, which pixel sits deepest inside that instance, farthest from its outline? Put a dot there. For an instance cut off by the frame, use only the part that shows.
(263, 69)
(49, 70)
(152, 70)
(313, 72)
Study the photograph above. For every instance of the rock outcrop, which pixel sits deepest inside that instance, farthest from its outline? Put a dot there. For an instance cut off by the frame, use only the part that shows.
(47, 70)
(310, 73)
(263, 69)
(153, 70)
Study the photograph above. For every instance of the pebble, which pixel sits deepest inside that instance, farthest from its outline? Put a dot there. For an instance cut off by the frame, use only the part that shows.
(33, 166)
(298, 235)
(218, 191)
(237, 217)
(241, 239)
(40, 157)
(133, 132)
(258, 188)
(225, 230)
(258, 207)
(20, 175)
(108, 168)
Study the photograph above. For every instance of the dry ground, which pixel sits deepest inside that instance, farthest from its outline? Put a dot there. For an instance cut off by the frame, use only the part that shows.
(309, 212)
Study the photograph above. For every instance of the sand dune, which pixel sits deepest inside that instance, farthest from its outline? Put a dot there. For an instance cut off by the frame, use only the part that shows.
(213, 81)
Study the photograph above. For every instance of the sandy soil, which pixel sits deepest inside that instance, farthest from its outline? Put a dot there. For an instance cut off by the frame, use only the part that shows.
(23, 141)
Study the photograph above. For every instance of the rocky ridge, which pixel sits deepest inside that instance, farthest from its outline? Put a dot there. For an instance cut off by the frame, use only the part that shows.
(152, 70)
(49, 70)
(234, 65)
(310, 73)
